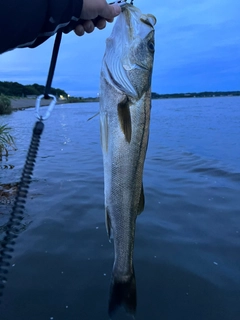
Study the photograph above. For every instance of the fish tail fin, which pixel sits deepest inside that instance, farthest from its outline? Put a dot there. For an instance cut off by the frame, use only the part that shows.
(123, 293)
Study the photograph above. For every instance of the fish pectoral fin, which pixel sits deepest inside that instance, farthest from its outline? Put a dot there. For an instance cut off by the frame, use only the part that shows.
(141, 202)
(93, 116)
(104, 131)
(108, 224)
(124, 117)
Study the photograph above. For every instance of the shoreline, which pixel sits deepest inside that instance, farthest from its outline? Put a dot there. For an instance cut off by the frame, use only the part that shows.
(26, 103)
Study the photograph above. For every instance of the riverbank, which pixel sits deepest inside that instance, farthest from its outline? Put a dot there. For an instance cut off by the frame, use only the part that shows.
(25, 103)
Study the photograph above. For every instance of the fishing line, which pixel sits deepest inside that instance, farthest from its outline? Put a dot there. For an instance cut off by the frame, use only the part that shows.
(13, 225)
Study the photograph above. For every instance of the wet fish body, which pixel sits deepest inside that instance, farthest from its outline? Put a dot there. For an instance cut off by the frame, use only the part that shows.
(125, 103)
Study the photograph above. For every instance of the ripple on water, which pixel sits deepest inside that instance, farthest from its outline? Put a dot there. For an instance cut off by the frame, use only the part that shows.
(187, 239)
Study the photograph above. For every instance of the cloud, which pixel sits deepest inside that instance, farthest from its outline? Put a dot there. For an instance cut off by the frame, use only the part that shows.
(197, 49)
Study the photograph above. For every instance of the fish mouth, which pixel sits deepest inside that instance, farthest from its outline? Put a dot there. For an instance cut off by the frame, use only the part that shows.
(149, 19)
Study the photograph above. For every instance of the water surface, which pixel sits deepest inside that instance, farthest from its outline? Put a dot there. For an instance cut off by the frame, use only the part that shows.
(187, 246)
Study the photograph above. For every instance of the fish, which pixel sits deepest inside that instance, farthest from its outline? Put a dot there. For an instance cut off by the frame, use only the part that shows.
(125, 105)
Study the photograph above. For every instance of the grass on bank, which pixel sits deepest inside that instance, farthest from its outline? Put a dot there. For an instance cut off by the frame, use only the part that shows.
(6, 141)
(5, 105)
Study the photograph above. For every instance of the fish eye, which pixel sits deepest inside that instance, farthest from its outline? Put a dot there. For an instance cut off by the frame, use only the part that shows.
(151, 46)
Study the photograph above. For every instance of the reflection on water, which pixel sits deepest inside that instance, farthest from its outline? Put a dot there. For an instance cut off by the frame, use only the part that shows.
(187, 241)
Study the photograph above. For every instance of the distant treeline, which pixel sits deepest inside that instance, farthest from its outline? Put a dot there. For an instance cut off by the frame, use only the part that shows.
(80, 99)
(197, 95)
(19, 90)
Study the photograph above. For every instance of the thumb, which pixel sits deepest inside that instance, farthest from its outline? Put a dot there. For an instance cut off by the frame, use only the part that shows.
(110, 11)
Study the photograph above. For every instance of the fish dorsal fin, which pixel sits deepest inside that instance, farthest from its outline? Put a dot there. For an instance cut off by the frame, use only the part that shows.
(141, 201)
(108, 224)
(124, 117)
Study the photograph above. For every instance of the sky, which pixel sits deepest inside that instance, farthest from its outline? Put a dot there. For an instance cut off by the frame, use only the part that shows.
(197, 49)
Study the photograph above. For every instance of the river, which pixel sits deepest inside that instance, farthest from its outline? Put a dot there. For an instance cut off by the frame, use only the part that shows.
(187, 249)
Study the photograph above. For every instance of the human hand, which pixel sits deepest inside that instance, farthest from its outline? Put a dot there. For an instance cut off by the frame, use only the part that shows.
(95, 13)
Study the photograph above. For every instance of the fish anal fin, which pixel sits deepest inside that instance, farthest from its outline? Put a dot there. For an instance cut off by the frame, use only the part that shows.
(141, 202)
(124, 117)
(108, 224)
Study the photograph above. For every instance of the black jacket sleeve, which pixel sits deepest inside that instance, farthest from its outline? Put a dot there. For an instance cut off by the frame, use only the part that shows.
(28, 23)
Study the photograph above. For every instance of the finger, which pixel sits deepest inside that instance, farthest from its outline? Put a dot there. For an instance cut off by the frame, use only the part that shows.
(100, 24)
(110, 11)
(95, 21)
(79, 30)
(110, 20)
(88, 26)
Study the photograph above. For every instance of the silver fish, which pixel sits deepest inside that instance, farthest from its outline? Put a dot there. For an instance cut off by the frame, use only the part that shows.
(125, 103)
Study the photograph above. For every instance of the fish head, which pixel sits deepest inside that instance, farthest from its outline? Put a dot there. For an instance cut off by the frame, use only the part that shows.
(129, 52)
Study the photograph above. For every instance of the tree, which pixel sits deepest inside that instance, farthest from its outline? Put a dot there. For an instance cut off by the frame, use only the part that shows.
(19, 90)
